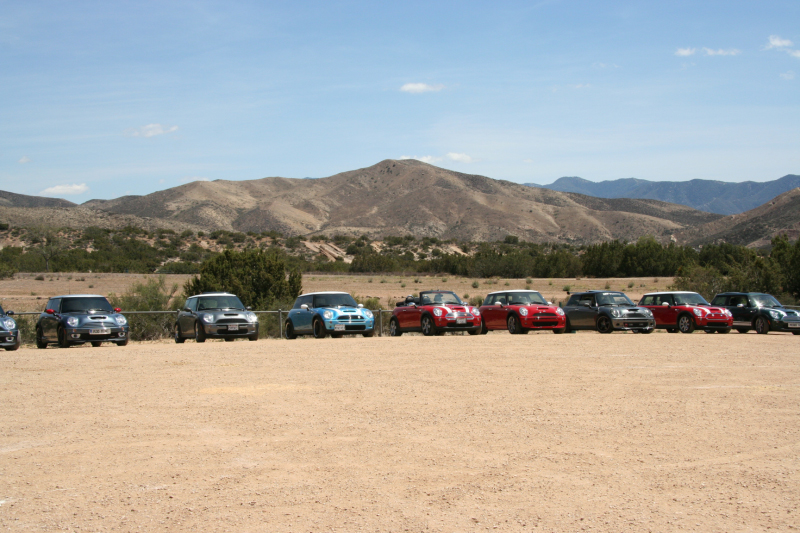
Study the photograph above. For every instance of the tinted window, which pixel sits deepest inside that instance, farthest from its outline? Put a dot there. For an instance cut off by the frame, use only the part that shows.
(526, 298)
(738, 300)
(227, 301)
(334, 300)
(191, 303)
(82, 305)
(690, 299)
(613, 298)
(719, 300)
(647, 300)
(54, 304)
(587, 298)
(573, 300)
(764, 300)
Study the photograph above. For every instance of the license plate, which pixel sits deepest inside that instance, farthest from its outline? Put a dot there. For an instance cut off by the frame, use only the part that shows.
(338, 327)
(461, 320)
(103, 331)
(794, 325)
(233, 327)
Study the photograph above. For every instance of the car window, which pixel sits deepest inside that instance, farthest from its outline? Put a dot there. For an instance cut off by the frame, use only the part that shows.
(764, 300)
(719, 300)
(334, 300)
(440, 298)
(82, 305)
(574, 299)
(648, 300)
(588, 298)
(223, 301)
(613, 298)
(739, 300)
(494, 299)
(54, 304)
(526, 298)
(691, 298)
(191, 303)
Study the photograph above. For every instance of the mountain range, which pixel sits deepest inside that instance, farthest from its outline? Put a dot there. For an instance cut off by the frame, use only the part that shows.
(706, 195)
(400, 197)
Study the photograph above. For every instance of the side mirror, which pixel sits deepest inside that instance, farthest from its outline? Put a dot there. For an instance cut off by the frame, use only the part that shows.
(360, 306)
(187, 309)
(49, 311)
(664, 304)
(10, 313)
(739, 305)
(249, 308)
(304, 306)
(498, 303)
(549, 303)
(117, 310)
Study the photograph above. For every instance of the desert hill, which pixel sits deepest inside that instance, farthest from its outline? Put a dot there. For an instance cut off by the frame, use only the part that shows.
(706, 195)
(407, 197)
(10, 199)
(753, 228)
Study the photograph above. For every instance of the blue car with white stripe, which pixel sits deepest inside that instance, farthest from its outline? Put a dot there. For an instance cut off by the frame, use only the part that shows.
(328, 313)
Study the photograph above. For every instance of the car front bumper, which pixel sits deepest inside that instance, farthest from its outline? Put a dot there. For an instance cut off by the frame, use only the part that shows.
(548, 322)
(451, 324)
(224, 330)
(81, 335)
(349, 326)
(784, 325)
(631, 324)
(9, 338)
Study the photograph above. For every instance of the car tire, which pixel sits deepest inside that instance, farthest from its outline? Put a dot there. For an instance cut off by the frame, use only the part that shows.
(62, 338)
(40, 342)
(742, 330)
(761, 325)
(427, 327)
(229, 339)
(567, 327)
(253, 337)
(646, 331)
(199, 333)
(288, 331)
(394, 328)
(318, 327)
(559, 331)
(121, 343)
(672, 330)
(686, 324)
(513, 325)
(724, 331)
(796, 333)
(368, 334)
(177, 335)
(484, 330)
(97, 344)
(604, 324)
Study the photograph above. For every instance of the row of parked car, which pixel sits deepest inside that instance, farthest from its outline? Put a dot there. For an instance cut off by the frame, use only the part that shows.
(80, 318)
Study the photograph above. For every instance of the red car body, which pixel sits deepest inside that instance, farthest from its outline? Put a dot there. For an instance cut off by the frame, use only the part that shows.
(521, 311)
(686, 311)
(434, 313)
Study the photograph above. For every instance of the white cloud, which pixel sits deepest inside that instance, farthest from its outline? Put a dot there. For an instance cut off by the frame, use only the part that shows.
(461, 158)
(417, 88)
(25, 159)
(605, 65)
(150, 130)
(794, 53)
(424, 158)
(527, 160)
(776, 42)
(65, 190)
(788, 75)
(582, 86)
(192, 178)
(684, 52)
(720, 52)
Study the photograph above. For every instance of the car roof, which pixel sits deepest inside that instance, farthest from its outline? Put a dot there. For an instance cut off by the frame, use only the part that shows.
(669, 292)
(595, 291)
(323, 292)
(212, 294)
(732, 293)
(513, 290)
(79, 296)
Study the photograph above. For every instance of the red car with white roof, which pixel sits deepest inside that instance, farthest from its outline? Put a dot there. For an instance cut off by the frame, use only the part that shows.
(434, 313)
(686, 311)
(520, 311)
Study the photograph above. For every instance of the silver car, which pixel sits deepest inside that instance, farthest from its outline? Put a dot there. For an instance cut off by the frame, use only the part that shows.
(215, 315)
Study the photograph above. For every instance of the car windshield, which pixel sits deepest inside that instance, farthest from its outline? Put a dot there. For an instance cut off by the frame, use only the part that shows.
(765, 300)
(525, 298)
(334, 300)
(690, 299)
(613, 298)
(83, 305)
(208, 303)
(440, 298)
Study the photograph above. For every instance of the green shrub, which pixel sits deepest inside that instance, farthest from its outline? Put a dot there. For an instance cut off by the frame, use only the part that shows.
(475, 284)
(152, 295)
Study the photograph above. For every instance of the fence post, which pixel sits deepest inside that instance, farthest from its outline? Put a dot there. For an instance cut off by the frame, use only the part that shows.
(280, 323)
(380, 314)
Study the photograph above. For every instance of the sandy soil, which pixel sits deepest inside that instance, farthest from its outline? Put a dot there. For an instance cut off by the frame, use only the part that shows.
(24, 293)
(541, 432)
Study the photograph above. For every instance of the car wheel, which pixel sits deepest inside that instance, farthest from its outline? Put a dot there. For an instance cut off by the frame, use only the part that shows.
(646, 331)
(253, 337)
(567, 327)
(97, 344)
(121, 343)
(672, 330)
(177, 336)
(742, 330)
(513, 325)
(370, 333)
(685, 324)
(199, 333)
(761, 325)
(319, 329)
(559, 331)
(427, 326)
(288, 331)
(62, 338)
(723, 331)
(474, 331)
(484, 329)
(40, 342)
(604, 325)
(394, 328)
(229, 339)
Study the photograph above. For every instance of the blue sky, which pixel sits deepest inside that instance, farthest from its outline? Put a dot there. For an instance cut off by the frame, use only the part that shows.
(102, 99)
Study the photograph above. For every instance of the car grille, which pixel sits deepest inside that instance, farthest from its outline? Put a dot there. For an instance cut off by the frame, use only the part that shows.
(717, 323)
(231, 321)
(537, 315)
(97, 317)
(345, 318)
(634, 314)
(545, 324)
(458, 314)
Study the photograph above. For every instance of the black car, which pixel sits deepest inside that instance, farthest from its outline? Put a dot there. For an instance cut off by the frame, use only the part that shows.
(80, 318)
(216, 315)
(9, 332)
(607, 311)
(758, 311)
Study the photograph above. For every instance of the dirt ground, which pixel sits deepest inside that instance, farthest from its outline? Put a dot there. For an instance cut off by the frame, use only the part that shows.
(24, 292)
(542, 432)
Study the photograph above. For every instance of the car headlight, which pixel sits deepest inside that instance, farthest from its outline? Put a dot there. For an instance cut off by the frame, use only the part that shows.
(328, 314)
(208, 318)
(437, 311)
(121, 320)
(615, 313)
(647, 312)
(476, 311)
(368, 313)
(726, 312)
(523, 311)
(251, 317)
(697, 311)
(9, 323)
(777, 315)
(559, 311)
(72, 321)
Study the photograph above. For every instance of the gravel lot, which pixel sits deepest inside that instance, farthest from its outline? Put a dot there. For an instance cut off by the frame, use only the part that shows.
(516, 433)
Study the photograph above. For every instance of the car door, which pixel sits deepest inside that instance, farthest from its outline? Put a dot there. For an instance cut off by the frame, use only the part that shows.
(186, 318)
(302, 320)
(49, 322)
(585, 312)
(738, 305)
(666, 315)
(496, 312)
